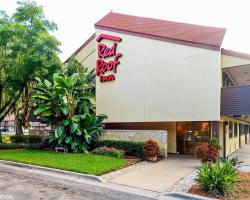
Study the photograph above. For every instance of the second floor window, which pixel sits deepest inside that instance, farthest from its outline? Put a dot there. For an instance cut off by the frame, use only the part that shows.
(230, 129)
(240, 129)
(235, 129)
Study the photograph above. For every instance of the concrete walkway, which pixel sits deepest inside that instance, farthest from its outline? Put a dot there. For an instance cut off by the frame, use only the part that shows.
(243, 154)
(158, 176)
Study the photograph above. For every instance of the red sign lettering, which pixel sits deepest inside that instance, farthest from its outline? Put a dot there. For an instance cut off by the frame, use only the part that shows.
(105, 52)
(107, 78)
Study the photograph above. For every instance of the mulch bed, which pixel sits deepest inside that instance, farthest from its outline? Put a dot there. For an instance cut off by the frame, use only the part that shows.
(244, 188)
(132, 160)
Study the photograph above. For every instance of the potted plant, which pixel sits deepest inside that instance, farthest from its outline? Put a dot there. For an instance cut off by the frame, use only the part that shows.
(151, 150)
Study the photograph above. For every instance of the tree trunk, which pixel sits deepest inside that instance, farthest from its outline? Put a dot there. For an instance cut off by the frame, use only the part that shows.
(19, 127)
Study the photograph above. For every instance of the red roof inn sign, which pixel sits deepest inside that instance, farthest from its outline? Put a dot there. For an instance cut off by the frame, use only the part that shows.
(106, 52)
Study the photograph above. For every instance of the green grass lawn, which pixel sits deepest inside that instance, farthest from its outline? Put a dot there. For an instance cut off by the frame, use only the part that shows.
(83, 163)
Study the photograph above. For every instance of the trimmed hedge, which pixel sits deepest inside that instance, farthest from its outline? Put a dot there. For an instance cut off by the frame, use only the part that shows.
(26, 139)
(11, 146)
(130, 148)
(33, 146)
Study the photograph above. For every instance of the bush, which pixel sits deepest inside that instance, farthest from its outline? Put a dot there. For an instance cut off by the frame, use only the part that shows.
(26, 139)
(151, 148)
(109, 151)
(129, 147)
(218, 178)
(6, 139)
(11, 146)
(206, 153)
(34, 146)
(214, 143)
(50, 141)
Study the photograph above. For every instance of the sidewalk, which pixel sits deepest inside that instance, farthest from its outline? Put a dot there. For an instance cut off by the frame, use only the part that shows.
(157, 176)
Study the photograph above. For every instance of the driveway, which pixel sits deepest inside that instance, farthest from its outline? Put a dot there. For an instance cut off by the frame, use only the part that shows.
(243, 154)
(157, 176)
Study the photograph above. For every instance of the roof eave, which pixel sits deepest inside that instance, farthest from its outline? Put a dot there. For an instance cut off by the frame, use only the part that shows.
(165, 39)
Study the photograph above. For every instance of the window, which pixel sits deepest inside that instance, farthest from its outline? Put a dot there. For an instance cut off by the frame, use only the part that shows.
(240, 129)
(230, 129)
(235, 129)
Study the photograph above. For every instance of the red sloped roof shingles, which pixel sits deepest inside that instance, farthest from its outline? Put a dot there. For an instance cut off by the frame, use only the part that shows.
(189, 34)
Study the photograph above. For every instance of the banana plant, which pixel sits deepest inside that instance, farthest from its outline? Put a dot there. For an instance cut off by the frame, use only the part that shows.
(68, 105)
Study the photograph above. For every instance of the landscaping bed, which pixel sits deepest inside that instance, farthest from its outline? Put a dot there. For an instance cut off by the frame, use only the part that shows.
(243, 189)
(82, 163)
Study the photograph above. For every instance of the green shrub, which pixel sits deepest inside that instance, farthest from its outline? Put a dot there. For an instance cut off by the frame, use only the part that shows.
(50, 141)
(26, 139)
(218, 178)
(213, 142)
(109, 151)
(34, 146)
(11, 146)
(130, 148)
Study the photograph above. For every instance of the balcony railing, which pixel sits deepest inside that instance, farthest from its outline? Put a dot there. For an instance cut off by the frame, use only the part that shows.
(235, 100)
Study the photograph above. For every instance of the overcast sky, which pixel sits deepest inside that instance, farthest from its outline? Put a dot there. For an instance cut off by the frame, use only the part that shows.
(76, 18)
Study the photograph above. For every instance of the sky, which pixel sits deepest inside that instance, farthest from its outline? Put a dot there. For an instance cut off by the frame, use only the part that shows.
(75, 18)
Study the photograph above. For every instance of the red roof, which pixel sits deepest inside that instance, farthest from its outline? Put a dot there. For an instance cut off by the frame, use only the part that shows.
(11, 117)
(188, 34)
(237, 54)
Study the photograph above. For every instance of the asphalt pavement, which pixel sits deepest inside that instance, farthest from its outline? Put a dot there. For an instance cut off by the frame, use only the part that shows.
(20, 184)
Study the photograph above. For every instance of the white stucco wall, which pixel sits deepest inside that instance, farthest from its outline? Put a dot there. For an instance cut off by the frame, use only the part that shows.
(230, 61)
(160, 81)
(87, 56)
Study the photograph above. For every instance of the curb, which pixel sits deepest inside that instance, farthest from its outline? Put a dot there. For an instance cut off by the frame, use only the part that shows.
(182, 195)
(58, 171)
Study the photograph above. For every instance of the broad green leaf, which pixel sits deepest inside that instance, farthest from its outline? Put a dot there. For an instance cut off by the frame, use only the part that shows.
(65, 110)
(40, 109)
(68, 140)
(59, 131)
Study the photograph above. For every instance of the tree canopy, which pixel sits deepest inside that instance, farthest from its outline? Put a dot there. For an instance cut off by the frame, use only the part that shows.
(28, 49)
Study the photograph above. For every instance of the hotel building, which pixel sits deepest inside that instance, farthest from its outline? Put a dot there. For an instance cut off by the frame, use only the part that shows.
(162, 75)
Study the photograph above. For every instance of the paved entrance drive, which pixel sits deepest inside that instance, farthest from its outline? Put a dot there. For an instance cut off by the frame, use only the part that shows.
(157, 176)
(244, 154)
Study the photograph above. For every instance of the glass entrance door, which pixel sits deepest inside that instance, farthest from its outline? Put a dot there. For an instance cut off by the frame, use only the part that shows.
(190, 134)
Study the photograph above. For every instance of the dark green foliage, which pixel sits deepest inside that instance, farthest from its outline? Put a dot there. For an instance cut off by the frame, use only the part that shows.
(109, 151)
(130, 148)
(34, 146)
(26, 139)
(68, 104)
(11, 146)
(50, 141)
(218, 178)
